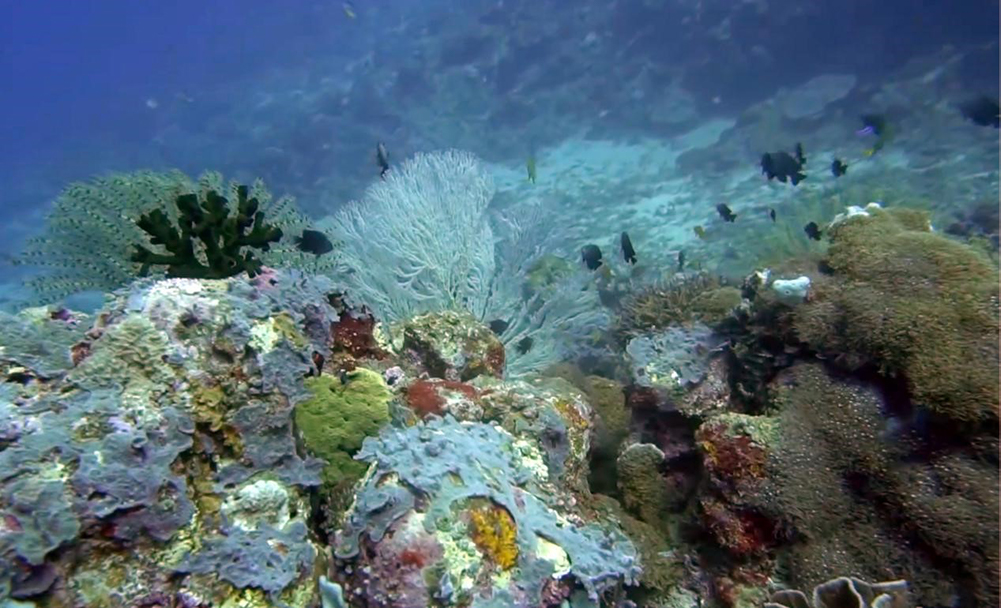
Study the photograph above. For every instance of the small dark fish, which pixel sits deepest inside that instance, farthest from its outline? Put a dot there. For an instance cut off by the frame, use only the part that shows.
(681, 261)
(784, 166)
(700, 232)
(344, 376)
(812, 230)
(499, 326)
(627, 249)
(873, 124)
(726, 213)
(315, 242)
(983, 111)
(771, 214)
(591, 256)
(382, 159)
(839, 167)
(524, 345)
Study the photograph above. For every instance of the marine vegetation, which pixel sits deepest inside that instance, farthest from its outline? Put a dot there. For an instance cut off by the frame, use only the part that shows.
(224, 240)
(916, 305)
(92, 231)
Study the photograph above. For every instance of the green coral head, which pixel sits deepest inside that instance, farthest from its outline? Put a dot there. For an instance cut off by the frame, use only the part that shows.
(337, 418)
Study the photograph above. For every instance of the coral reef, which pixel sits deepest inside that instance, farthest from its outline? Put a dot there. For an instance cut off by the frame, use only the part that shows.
(165, 450)
(451, 345)
(913, 303)
(681, 300)
(644, 490)
(444, 464)
(854, 489)
(671, 359)
(844, 592)
(40, 340)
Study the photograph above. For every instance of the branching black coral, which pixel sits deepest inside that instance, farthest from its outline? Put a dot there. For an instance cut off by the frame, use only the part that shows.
(224, 237)
(92, 231)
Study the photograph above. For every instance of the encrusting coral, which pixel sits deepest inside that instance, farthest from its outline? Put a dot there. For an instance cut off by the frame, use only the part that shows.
(494, 532)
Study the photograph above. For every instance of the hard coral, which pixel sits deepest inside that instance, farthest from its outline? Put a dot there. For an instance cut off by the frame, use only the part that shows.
(494, 532)
(676, 301)
(844, 592)
(859, 497)
(452, 345)
(338, 416)
(206, 243)
(915, 304)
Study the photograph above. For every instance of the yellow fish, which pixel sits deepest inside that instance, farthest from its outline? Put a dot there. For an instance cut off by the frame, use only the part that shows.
(530, 165)
(700, 232)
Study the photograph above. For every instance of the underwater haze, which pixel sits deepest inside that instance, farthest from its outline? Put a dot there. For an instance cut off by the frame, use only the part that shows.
(499, 303)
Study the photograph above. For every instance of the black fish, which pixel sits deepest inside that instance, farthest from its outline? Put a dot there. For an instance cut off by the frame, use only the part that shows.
(524, 345)
(771, 214)
(681, 261)
(874, 123)
(726, 213)
(499, 326)
(784, 166)
(382, 159)
(839, 167)
(627, 249)
(591, 256)
(812, 230)
(315, 242)
(982, 111)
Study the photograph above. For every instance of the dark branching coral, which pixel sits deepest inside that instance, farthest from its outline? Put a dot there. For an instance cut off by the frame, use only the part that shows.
(92, 233)
(915, 304)
(226, 239)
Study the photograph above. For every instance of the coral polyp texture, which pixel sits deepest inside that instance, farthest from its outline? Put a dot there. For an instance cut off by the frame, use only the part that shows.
(914, 304)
